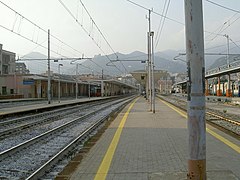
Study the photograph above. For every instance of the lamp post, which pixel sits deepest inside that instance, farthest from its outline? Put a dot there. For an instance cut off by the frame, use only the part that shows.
(59, 91)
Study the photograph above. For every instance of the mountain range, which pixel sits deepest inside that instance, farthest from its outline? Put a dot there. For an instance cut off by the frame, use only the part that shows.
(124, 62)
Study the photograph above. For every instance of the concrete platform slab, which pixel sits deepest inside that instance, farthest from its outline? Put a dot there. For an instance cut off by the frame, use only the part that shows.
(156, 143)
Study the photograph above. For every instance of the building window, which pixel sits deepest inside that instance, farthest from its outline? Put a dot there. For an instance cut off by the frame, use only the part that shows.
(11, 91)
(4, 90)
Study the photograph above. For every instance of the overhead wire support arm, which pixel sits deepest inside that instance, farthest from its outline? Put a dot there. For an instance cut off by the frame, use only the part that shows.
(53, 59)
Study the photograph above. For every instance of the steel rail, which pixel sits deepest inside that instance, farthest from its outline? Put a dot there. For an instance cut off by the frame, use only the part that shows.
(37, 122)
(41, 171)
(23, 145)
(221, 118)
(224, 119)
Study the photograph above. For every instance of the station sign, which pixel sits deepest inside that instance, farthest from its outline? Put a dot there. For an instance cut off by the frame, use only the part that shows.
(28, 82)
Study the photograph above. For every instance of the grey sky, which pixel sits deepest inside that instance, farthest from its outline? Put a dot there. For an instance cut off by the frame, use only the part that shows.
(123, 24)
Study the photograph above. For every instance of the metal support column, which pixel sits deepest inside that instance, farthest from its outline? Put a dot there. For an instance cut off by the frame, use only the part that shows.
(196, 90)
(153, 83)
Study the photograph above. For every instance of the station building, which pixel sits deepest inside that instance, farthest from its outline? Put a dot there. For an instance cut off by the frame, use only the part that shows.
(35, 86)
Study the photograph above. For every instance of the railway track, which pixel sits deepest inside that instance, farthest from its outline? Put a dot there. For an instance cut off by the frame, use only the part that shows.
(223, 120)
(32, 158)
(16, 125)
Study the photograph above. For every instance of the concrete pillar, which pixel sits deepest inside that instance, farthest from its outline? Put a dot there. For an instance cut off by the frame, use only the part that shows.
(39, 88)
(213, 86)
(102, 88)
(219, 91)
(207, 88)
(229, 91)
(196, 90)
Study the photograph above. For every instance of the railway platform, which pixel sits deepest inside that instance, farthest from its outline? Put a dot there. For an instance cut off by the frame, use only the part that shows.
(141, 145)
(5, 111)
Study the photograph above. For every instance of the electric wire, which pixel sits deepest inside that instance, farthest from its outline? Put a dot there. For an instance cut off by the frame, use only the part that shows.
(162, 25)
(84, 29)
(234, 43)
(40, 28)
(26, 38)
(160, 22)
(105, 39)
(156, 12)
(230, 9)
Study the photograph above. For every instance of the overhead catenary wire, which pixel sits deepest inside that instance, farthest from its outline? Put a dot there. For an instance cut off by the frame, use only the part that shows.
(234, 43)
(17, 14)
(160, 22)
(26, 38)
(154, 12)
(84, 29)
(223, 29)
(40, 28)
(219, 5)
(159, 34)
(182, 22)
(105, 39)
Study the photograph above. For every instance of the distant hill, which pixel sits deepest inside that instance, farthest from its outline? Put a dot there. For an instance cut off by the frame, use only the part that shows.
(223, 61)
(132, 62)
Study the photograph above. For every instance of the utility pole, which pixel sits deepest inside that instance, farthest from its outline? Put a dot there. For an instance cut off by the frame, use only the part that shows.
(49, 80)
(153, 83)
(196, 89)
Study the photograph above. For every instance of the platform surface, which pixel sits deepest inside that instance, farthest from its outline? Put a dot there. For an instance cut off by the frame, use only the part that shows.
(42, 105)
(154, 146)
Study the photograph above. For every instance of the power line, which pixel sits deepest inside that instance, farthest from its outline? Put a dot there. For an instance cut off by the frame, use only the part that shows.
(84, 29)
(230, 9)
(164, 6)
(222, 30)
(162, 24)
(91, 18)
(40, 28)
(156, 12)
(26, 38)
(234, 43)
(98, 28)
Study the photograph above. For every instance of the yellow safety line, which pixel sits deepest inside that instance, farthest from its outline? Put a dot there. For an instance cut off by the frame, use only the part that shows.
(217, 136)
(224, 140)
(106, 162)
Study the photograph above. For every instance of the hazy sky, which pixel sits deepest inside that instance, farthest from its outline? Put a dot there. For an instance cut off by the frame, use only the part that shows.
(123, 24)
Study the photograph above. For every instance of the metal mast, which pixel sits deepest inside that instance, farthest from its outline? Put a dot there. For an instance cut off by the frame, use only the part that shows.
(196, 89)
